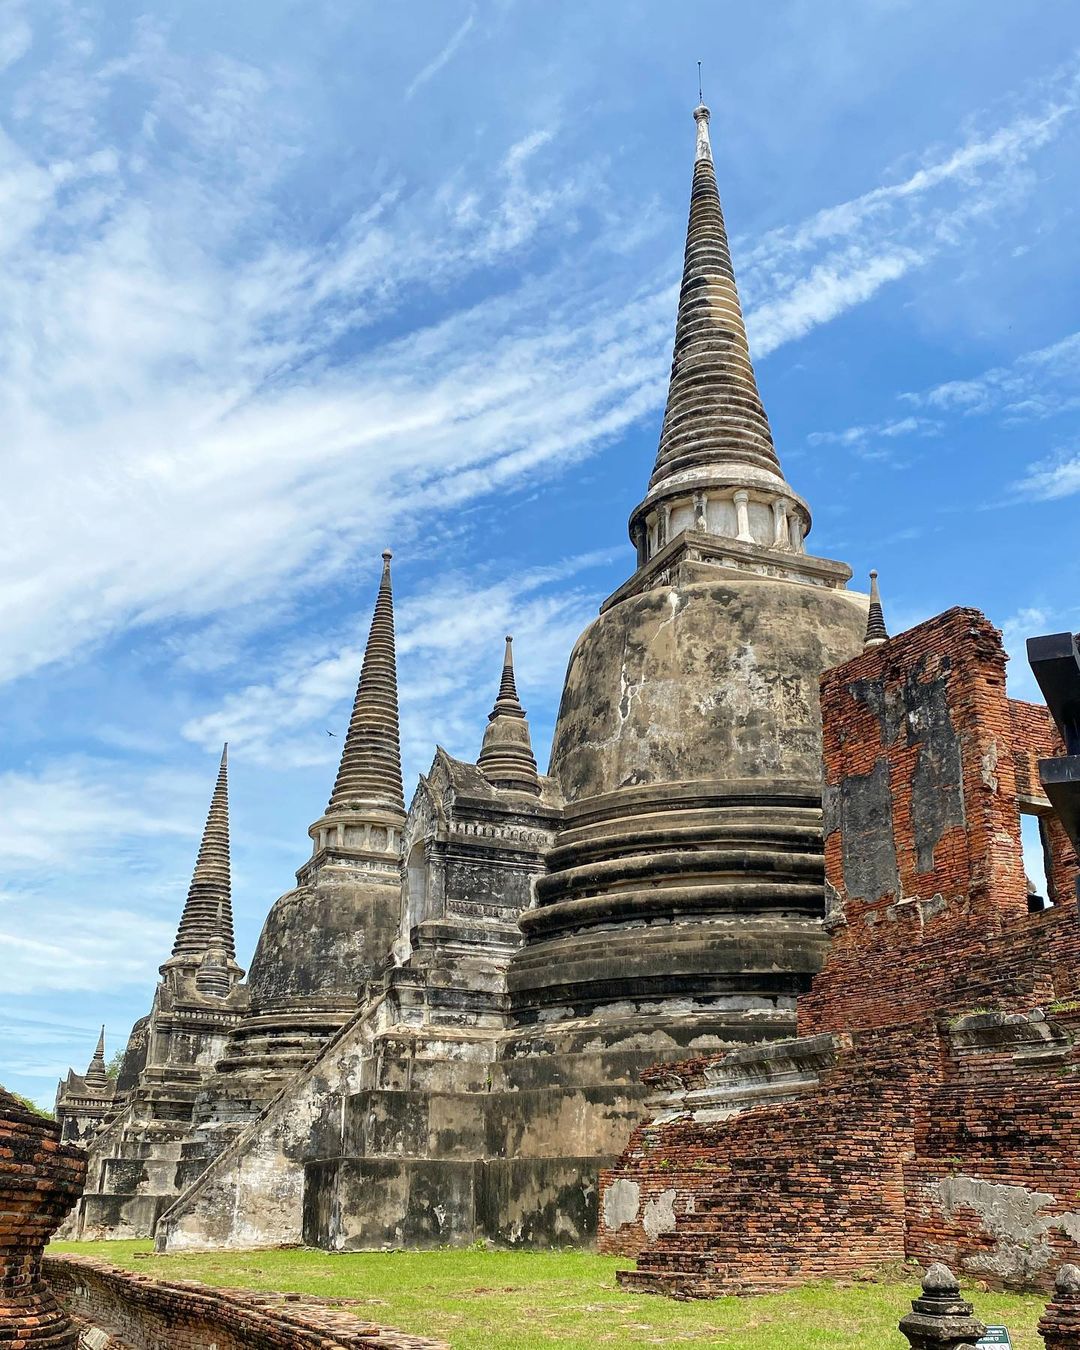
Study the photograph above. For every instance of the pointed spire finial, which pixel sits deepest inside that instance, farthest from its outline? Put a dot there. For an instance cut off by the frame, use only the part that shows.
(876, 632)
(508, 685)
(208, 908)
(95, 1078)
(715, 434)
(370, 770)
(506, 758)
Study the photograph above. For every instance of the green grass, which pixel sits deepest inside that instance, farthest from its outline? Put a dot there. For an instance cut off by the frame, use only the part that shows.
(479, 1300)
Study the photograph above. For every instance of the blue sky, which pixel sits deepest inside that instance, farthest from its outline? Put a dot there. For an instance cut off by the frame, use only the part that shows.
(284, 284)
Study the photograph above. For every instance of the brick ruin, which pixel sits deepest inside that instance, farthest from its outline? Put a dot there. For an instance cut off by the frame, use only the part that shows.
(40, 1180)
(930, 1106)
(118, 1310)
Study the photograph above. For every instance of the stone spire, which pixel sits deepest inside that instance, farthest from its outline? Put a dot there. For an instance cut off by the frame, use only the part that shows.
(716, 461)
(714, 411)
(370, 769)
(214, 974)
(95, 1078)
(506, 759)
(208, 909)
(876, 632)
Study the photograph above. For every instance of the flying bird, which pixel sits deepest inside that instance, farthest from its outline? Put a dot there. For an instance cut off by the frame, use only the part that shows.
(331, 733)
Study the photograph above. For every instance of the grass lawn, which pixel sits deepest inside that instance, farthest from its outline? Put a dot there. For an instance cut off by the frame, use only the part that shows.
(480, 1300)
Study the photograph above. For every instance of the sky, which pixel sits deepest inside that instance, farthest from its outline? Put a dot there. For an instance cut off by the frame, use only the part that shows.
(284, 284)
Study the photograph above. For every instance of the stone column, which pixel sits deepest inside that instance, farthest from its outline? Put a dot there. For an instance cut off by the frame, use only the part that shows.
(795, 527)
(940, 1319)
(40, 1180)
(781, 538)
(701, 512)
(742, 514)
(1060, 1325)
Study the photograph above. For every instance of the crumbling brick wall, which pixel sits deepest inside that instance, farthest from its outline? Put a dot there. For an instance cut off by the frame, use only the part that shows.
(40, 1180)
(749, 1202)
(951, 1009)
(150, 1314)
(923, 852)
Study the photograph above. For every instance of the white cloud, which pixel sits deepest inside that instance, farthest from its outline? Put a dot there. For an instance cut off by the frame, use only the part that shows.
(71, 948)
(75, 811)
(800, 276)
(449, 641)
(191, 417)
(16, 35)
(93, 820)
(1052, 478)
(866, 440)
(1037, 385)
(216, 427)
(436, 64)
(1029, 621)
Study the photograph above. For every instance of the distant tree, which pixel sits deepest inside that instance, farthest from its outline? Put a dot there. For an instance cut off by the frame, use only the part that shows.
(30, 1106)
(112, 1069)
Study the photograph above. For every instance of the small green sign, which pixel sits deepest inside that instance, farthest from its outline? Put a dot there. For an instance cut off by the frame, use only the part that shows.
(994, 1336)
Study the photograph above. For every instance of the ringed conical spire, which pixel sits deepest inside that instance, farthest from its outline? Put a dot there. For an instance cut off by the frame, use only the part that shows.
(876, 632)
(716, 469)
(208, 909)
(95, 1078)
(714, 410)
(370, 770)
(506, 759)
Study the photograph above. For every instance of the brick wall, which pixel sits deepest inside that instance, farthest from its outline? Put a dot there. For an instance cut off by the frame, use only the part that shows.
(40, 1180)
(926, 762)
(931, 1107)
(150, 1314)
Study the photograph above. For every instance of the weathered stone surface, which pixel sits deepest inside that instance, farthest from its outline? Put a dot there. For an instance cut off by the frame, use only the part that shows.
(940, 1319)
(930, 1107)
(135, 1142)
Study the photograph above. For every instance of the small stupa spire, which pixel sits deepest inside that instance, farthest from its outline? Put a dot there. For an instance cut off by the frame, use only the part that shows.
(370, 770)
(95, 1078)
(208, 909)
(876, 632)
(213, 976)
(506, 759)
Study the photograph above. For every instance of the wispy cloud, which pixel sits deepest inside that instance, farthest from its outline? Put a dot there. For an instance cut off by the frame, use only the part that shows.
(16, 35)
(1051, 478)
(1037, 385)
(93, 819)
(450, 651)
(867, 440)
(446, 54)
(800, 276)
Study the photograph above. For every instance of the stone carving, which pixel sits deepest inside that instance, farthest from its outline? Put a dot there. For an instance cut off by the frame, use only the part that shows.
(1060, 1324)
(940, 1319)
